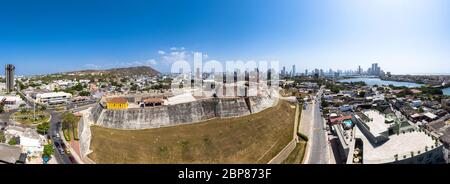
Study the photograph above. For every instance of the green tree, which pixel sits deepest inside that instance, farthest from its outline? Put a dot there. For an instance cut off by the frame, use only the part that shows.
(23, 110)
(69, 120)
(134, 87)
(48, 150)
(421, 110)
(12, 141)
(78, 87)
(2, 137)
(2, 108)
(84, 93)
(43, 128)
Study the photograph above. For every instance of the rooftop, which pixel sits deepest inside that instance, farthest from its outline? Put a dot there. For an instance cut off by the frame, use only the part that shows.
(154, 100)
(52, 94)
(182, 98)
(402, 144)
(377, 123)
(9, 154)
(117, 100)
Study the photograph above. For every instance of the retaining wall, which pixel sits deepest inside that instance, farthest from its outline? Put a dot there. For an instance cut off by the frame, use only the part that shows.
(192, 112)
(84, 135)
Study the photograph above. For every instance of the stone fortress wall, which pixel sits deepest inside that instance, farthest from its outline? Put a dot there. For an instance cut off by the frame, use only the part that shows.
(186, 113)
(170, 115)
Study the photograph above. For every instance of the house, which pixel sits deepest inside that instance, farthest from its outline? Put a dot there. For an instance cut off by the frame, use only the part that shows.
(117, 103)
(430, 116)
(152, 102)
(344, 108)
(29, 140)
(416, 103)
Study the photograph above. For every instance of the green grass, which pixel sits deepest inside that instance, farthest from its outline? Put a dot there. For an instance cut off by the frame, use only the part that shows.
(75, 133)
(27, 118)
(67, 136)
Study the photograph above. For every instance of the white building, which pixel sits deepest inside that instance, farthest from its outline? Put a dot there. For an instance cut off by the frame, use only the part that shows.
(30, 141)
(11, 102)
(377, 139)
(53, 98)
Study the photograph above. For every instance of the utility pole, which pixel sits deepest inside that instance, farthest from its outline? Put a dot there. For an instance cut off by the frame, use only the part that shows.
(34, 111)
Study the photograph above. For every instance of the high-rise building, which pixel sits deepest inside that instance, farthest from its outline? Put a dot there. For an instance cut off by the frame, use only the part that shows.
(374, 70)
(293, 70)
(9, 74)
(306, 72)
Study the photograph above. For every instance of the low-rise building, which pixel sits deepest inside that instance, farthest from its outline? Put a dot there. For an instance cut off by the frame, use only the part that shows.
(11, 102)
(151, 102)
(11, 155)
(53, 98)
(116, 103)
(380, 138)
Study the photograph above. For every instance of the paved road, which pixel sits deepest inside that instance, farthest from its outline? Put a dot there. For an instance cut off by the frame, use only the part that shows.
(319, 146)
(314, 127)
(55, 126)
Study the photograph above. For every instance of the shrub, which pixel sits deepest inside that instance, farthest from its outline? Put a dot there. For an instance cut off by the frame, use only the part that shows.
(75, 133)
(12, 141)
(302, 136)
(67, 135)
(43, 128)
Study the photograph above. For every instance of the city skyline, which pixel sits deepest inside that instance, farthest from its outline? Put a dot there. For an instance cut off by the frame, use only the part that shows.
(405, 37)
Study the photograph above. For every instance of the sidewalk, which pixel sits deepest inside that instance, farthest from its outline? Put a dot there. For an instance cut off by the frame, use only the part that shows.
(72, 151)
(306, 128)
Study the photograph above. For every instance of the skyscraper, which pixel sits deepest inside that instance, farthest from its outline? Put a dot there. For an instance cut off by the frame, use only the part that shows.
(293, 70)
(374, 70)
(9, 74)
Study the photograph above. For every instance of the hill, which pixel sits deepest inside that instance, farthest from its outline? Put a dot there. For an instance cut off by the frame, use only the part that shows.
(137, 70)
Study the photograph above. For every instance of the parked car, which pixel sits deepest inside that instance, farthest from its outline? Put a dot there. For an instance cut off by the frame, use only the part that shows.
(67, 151)
(61, 151)
(72, 160)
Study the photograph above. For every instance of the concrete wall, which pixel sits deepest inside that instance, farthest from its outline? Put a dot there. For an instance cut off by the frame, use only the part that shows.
(84, 132)
(95, 112)
(260, 103)
(161, 116)
(284, 154)
(434, 156)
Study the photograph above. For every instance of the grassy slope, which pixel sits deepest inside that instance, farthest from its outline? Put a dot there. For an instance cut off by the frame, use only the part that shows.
(256, 138)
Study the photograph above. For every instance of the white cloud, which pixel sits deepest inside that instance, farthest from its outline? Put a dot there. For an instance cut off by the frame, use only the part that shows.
(175, 56)
(151, 62)
(161, 52)
(92, 66)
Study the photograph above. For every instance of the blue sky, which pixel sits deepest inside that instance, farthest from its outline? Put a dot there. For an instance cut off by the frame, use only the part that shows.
(403, 36)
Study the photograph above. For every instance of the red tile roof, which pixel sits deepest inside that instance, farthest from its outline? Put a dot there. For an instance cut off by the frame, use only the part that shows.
(117, 100)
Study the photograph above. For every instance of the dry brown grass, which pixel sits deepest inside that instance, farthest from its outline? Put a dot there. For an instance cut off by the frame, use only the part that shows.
(296, 157)
(256, 138)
